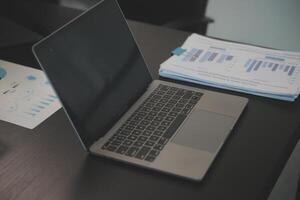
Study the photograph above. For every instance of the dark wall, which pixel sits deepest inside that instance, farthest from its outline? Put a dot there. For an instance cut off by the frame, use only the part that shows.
(160, 11)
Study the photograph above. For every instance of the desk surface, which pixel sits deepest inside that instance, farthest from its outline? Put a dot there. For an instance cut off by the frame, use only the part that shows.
(49, 163)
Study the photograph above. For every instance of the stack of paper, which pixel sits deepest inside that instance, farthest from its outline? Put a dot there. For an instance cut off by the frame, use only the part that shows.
(238, 67)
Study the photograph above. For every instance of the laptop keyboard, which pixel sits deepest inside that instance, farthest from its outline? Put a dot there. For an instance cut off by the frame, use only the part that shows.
(150, 127)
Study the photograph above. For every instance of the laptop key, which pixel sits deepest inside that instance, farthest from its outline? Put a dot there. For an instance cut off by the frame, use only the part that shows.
(155, 123)
(142, 138)
(161, 128)
(138, 143)
(153, 113)
(145, 122)
(154, 138)
(165, 109)
(198, 94)
(183, 101)
(111, 148)
(137, 132)
(158, 133)
(162, 114)
(149, 143)
(189, 106)
(150, 128)
(158, 147)
(142, 153)
(160, 105)
(165, 123)
(125, 132)
(150, 158)
(127, 142)
(149, 117)
(116, 142)
(173, 89)
(122, 149)
(132, 151)
(185, 111)
(167, 96)
(158, 118)
(149, 105)
(140, 127)
(156, 108)
(162, 141)
(147, 133)
(196, 97)
(105, 145)
(153, 153)
(170, 118)
(132, 137)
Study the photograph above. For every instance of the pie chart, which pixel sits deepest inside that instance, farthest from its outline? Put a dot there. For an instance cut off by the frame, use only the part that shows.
(2, 73)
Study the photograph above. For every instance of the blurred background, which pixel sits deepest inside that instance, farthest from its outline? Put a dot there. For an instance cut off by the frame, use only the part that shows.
(270, 23)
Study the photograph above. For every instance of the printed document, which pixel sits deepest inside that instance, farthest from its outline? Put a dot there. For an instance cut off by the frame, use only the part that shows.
(26, 97)
(239, 67)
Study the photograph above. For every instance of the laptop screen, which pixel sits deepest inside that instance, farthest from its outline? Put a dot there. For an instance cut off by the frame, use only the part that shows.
(95, 68)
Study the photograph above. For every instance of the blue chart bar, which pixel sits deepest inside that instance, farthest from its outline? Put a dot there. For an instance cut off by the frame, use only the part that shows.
(196, 55)
(265, 64)
(257, 65)
(201, 55)
(50, 100)
(205, 56)
(254, 65)
(275, 67)
(228, 58)
(189, 54)
(221, 59)
(41, 107)
(54, 97)
(35, 110)
(251, 65)
(291, 71)
(45, 103)
(286, 68)
(248, 63)
(212, 57)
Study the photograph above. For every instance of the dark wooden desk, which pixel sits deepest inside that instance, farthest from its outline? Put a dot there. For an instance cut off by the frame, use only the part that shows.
(49, 163)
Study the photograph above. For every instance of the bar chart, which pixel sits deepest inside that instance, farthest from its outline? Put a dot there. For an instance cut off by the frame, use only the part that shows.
(39, 104)
(253, 65)
(201, 56)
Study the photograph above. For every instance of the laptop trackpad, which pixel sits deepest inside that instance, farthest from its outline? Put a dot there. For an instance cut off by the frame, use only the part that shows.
(204, 130)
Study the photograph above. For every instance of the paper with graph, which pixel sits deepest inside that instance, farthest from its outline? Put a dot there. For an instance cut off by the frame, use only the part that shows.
(239, 67)
(26, 96)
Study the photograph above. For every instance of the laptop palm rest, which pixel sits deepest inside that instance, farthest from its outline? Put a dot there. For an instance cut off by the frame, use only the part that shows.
(204, 130)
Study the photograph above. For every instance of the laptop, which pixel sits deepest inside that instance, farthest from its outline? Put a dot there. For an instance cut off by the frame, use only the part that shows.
(117, 109)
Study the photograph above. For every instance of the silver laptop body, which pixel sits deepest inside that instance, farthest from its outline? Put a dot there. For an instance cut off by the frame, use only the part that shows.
(181, 136)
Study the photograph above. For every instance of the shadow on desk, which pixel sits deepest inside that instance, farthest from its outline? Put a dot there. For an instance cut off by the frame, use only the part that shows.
(89, 185)
(3, 149)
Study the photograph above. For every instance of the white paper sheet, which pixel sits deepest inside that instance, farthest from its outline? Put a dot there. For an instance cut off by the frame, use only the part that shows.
(244, 68)
(26, 97)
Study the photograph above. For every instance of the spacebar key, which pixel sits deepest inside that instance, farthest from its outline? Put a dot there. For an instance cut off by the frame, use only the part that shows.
(174, 126)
